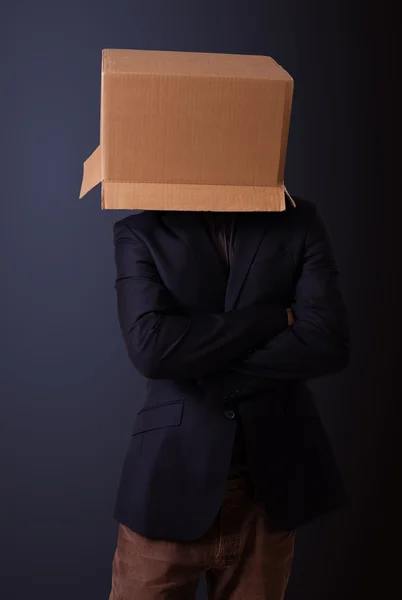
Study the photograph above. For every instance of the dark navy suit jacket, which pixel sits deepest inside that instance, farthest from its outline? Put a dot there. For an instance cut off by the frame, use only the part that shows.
(210, 348)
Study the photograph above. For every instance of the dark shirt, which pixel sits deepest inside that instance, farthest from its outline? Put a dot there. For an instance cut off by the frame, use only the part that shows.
(221, 227)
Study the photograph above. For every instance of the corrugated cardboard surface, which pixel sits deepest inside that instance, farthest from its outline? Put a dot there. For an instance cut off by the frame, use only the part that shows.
(191, 131)
(92, 172)
(159, 62)
(168, 196)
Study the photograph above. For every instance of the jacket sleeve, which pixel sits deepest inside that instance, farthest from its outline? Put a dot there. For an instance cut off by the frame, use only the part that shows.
(316, 344)
(161, 342)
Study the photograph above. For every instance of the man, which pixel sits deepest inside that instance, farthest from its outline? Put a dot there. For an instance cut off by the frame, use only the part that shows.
(226, 315)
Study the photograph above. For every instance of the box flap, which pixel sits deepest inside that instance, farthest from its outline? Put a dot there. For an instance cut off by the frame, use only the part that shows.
(170, 196)
(92, 172)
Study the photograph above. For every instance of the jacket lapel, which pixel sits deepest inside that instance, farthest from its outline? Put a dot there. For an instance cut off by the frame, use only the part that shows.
(250, 230)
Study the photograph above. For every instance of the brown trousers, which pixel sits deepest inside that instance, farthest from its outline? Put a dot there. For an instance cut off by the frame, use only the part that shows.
(243, 555)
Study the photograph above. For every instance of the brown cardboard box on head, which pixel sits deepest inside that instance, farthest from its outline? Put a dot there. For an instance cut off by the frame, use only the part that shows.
(191, 131)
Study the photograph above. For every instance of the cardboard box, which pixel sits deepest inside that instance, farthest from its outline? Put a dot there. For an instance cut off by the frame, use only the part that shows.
(191, 131)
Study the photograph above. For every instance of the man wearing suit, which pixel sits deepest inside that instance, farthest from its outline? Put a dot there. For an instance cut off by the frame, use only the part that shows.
(227, 316)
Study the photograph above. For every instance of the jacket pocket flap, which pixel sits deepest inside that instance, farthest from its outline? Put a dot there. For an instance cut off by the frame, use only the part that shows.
(155, 417)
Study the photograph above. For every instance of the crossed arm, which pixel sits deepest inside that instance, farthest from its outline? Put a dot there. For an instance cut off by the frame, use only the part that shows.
(242, 349)
(164, 344)
(317, 341)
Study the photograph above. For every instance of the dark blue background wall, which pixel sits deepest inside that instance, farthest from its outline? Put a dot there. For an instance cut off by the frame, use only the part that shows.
(68, 390)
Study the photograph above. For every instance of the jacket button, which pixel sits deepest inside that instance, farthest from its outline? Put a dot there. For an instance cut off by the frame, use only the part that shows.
(230, 414)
